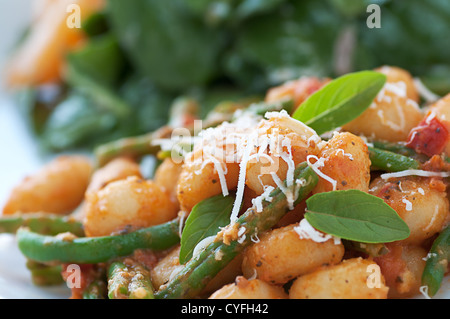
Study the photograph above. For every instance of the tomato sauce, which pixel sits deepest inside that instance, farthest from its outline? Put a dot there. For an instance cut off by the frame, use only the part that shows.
(429, 137)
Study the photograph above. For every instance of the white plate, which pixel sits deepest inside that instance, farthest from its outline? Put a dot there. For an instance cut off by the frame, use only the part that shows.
(15, 280)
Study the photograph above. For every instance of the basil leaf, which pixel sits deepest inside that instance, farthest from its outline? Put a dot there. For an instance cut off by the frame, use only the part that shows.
(355, 215)
(205, 220)
(340, 101)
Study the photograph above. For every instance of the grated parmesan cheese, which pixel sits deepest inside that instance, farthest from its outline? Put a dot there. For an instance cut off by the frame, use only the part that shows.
(414, 172)
(250, 144)
(433, 218)
(201, 246)
(265, 196)
(408, 204)
(424, 291)
(306, 231)
(340, 150)
(425, 92)
(428, 256)
(320, 162)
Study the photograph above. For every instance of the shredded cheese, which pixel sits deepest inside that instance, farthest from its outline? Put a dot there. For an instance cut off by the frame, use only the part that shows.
(315, 167)
(306, 231)
(340, 150)
(425, 92)
(414, 172)
(265, 196)
(428, 256)
(287, 191)
(250, 144)
(433, 218)
(424, 291)
(201, 246)
(408, 204)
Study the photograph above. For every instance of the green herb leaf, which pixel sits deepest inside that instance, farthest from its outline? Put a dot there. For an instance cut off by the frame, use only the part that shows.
(205, 220)
(340, 101)
(355, 215)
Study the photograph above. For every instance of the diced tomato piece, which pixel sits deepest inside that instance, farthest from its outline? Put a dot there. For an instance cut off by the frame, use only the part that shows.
(391, 264)
(429, 137)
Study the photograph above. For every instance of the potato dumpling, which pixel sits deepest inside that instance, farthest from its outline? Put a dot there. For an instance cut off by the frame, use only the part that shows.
(167, 175)
(355, 278)
(393, 113)
(198, 181)
(166, 268)
(285, 143)
(398, 75)
(419, 202)
(281, 255)
(346, 162)
(118, 168)
(127, 204)
(249, 289)
(41, 56)
(57, 188)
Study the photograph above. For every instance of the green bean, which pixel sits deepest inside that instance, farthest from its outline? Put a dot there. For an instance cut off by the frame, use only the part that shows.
(118, 280)
(129, 279)
(90, 250)
(373, 250)
(398, 148)
(42, 223)
(202, 268)
(181, 114)
(97, 289)
(44, 275)
(391, 162)
(402, 149)
(437, 262)
(134, 147)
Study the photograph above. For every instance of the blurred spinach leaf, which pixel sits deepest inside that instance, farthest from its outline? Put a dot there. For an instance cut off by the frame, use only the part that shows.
(76, 122)
(166, 42)
(413, 35)
(95, 71)
(80, 121)
(230, 12)
(295, 40)
(150, 105)
(101, 60)
(95, 25)
(142, 54)
(437, 79)
(37, 103)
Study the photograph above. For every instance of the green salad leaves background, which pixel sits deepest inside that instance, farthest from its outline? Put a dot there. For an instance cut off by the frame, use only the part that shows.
(143, 54)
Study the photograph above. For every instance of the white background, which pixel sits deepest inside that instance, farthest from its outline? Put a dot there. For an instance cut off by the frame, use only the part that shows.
(18, 157)
(18, 151)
